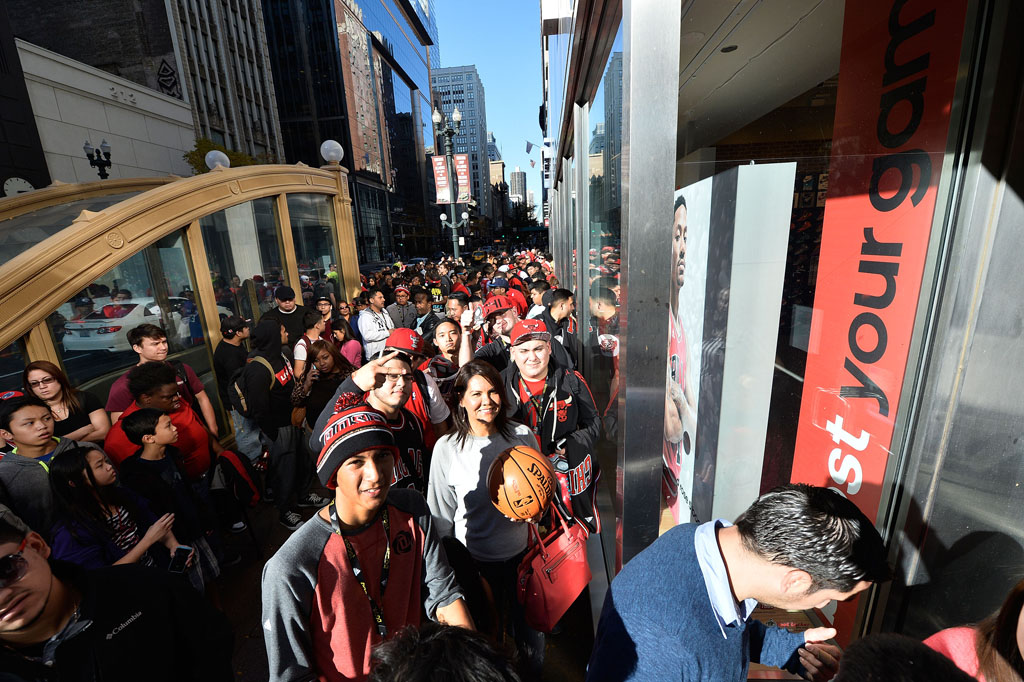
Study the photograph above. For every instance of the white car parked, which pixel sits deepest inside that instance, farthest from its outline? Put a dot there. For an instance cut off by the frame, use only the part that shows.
(105, 329)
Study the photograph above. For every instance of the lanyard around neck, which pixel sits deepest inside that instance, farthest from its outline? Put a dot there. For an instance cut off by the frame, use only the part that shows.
(357, 571)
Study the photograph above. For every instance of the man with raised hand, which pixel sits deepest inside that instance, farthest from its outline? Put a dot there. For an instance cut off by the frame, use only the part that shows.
(681, 609)
(361, 569)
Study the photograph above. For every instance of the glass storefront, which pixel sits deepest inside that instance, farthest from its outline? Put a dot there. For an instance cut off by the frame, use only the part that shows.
(244, 253)
(155, 286)
(817, 183)
(312, 218)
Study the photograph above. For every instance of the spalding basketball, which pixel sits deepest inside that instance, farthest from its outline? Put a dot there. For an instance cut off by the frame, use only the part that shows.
(521, 482)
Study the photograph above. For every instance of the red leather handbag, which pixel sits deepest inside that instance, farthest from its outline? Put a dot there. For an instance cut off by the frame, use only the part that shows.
(553, 573)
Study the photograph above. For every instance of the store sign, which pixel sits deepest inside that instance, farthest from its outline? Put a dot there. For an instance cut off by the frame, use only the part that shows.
(440, 164)
(897, 74)
(462, 174)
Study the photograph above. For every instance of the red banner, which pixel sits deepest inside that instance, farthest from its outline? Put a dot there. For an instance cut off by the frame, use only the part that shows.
(897, 73)
(462, 174)
(441, 179)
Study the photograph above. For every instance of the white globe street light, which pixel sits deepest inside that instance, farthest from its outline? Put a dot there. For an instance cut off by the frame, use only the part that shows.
(457, 115)
(216, 158)
(444, 216)
(332, 151)
(465, 216)
(436, 117)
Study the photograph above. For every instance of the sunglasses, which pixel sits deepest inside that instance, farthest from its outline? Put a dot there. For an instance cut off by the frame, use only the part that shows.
(13, 567)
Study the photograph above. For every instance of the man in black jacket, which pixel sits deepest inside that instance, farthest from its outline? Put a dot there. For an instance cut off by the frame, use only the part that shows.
(288, 313)
(554, 400)
(559, 305)
(269, 382)
(61, 623)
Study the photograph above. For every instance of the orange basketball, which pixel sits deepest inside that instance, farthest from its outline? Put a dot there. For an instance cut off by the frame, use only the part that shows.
(521, 482)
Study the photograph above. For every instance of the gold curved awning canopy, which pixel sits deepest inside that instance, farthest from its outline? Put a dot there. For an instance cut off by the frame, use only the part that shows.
(37, 281)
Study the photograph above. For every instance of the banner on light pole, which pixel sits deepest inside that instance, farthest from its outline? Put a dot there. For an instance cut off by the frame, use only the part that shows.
(462, 174)
(441, 179)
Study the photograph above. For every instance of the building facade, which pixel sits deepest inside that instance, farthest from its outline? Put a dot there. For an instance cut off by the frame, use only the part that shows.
(148, 131)
(210, 55)
(833, 277)
(460, 86)
(358, 71)
(493, 153)
(517, 186)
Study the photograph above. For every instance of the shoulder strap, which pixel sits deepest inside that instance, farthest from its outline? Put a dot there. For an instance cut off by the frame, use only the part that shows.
(266, 363)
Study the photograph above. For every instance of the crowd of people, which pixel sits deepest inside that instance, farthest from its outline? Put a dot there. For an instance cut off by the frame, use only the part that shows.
(384, 413)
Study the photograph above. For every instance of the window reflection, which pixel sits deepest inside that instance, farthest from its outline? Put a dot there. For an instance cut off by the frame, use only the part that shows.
(312, 225)
(244, 255)
(12, 364)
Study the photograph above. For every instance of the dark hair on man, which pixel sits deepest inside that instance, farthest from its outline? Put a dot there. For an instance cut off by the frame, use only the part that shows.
(680, 201)
(419, 294)
(604, 295)
(145, 331)
(484, 369)
(459, 296)
(440, 653)
(361, 299)
(559, 295)
(10, 532)
(533, 264)
(818, 531)
(888, 657)
(149, 376)
(311, 318)
(373, 291)
(9, 407)
(141, 423)
(539, 285)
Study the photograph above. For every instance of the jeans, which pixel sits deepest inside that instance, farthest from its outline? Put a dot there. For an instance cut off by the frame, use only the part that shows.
(503, 576)
(290, 471)
(247, 436)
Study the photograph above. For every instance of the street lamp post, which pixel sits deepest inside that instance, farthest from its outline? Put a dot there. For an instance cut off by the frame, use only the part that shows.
(448, 132)
(99, 158)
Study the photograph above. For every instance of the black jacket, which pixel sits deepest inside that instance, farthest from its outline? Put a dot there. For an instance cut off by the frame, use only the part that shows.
(292, 322)
(269, 404)
(135, 623)
(560, 333)
(567, 413)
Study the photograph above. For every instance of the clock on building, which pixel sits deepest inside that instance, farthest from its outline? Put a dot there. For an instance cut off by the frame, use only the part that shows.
(16, 185)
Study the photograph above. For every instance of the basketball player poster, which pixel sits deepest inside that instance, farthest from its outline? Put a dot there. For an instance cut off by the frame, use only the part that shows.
(690, 226)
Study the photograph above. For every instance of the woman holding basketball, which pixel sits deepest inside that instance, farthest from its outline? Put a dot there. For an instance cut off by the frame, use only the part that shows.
(459, 500)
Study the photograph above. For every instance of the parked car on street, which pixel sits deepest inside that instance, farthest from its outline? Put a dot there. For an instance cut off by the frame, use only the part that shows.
(105, 329)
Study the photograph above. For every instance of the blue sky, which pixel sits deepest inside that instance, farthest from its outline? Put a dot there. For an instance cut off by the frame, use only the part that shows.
(502, 38)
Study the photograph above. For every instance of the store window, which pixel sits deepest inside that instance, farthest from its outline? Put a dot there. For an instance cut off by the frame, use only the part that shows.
(244, 254)
(155, 286)
(12, 364)
(312, 218)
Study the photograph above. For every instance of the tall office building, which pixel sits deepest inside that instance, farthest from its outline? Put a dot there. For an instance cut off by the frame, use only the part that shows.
(529, 199)
(517, 186)
(210, 54)
(493, 153)
(358, 71)
(460, 86)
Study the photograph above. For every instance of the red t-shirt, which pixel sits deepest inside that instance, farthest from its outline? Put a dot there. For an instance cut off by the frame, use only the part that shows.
(120, 397)
(193, 440)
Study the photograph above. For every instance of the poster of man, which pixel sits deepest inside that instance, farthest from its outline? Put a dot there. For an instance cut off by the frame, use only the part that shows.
(689, 252)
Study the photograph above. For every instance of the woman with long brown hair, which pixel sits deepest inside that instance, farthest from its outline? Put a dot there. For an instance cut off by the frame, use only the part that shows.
(990, 651)
(460, 503)
(77, 415)
(315, 389)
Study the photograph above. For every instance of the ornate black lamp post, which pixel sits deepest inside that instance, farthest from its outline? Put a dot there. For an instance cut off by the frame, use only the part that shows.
(448, 132)
(99, 159)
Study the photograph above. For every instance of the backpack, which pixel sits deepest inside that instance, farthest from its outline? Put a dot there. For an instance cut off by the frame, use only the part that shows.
(240, 476)
(182, 379)
(239, 389)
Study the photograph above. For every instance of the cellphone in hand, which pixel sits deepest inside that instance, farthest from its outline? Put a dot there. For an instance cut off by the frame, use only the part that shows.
(179, 560)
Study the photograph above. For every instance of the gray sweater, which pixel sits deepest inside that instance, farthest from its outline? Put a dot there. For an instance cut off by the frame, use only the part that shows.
(459, 501)
(25, 486)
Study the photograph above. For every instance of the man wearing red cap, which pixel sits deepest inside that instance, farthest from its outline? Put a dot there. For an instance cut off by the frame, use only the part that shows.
(362, 568)
(554, 400)
(499, 317)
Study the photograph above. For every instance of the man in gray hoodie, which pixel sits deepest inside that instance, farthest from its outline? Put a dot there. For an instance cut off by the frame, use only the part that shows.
(27, 422)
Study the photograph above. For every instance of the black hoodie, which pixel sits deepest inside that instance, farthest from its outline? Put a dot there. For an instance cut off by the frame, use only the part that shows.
(270, 407)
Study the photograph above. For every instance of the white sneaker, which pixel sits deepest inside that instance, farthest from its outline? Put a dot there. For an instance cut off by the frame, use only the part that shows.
(313, 500)
(290, 520)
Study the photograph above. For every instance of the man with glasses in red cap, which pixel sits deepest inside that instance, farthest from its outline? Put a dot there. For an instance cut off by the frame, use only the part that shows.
(554, 400)
(126, 622)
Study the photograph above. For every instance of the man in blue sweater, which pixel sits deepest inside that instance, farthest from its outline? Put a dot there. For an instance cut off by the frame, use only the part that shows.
(797, 547)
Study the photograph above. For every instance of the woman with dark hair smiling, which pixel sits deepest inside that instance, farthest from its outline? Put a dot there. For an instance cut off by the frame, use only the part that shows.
(460, 502)
(78, 415)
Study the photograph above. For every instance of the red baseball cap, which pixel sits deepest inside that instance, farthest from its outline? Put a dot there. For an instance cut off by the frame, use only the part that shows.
(529, 330)
(405, 340)
(497, 304)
